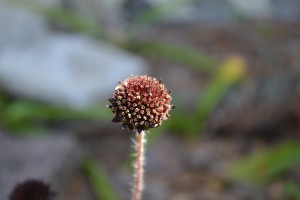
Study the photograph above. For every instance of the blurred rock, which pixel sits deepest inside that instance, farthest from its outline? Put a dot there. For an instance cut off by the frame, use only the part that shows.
(19, 27)
(62, 69)
(50, 159)
(67, 70)
(47, 2)
(219, 12)
(287, 10)
(105, 13)
(256, 9)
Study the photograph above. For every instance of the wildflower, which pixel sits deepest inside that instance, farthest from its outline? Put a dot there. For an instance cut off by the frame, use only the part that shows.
(140, 103)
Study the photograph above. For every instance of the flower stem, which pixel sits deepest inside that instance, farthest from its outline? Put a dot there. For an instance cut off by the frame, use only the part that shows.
(139, 173)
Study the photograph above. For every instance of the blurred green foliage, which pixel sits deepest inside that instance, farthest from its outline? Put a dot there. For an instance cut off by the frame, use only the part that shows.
(27, 116)
(197, 60)
(154, 14)
(292, 190)
(101, 185)
(230, 73)
(265, 166)
(265, 29)
(73, 21)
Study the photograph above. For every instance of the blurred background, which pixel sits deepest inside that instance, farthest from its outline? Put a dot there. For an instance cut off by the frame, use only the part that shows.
(233, 67)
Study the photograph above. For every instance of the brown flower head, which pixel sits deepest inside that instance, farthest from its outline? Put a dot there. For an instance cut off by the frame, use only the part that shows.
(140, 103)
(32, 190)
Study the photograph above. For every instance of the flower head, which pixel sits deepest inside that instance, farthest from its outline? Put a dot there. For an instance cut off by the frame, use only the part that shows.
(31, 190)
(140, 103)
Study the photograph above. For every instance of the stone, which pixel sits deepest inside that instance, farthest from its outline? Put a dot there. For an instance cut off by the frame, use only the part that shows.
(69, 70)
(256, 9)
(23, 29)
(57, 68)
(104, 13)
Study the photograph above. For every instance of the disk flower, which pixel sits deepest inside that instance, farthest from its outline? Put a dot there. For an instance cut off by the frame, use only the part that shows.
(140, 103)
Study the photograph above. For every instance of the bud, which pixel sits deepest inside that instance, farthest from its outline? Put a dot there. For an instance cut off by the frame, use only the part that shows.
(140, 103)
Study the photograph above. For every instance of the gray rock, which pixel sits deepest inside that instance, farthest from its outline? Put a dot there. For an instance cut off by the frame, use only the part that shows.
(62, 69)
(19, 27)
(256, 9)
(218, 12)
(50, 159)
(288, 10)
(105, 13)
(47, 2)
(67, 70)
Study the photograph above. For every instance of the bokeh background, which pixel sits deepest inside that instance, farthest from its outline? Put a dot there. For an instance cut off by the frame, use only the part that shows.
(233, 67)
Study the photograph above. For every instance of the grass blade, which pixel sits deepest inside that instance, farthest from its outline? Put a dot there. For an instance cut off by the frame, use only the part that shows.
(101, 185)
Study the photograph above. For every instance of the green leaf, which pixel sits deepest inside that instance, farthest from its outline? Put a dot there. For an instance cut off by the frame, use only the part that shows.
(155, 14)
(73, 21)
(292, 190)
(23, 115)
(264, 166)
(265, 29)
(211, 97)
(231, 71)
(100, 183)
(178, 53)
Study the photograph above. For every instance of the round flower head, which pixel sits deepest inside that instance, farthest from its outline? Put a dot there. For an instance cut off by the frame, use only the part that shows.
(32, 190)
(140, 103)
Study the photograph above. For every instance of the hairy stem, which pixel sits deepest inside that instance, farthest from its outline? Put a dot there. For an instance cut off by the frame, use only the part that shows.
(139, 173)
